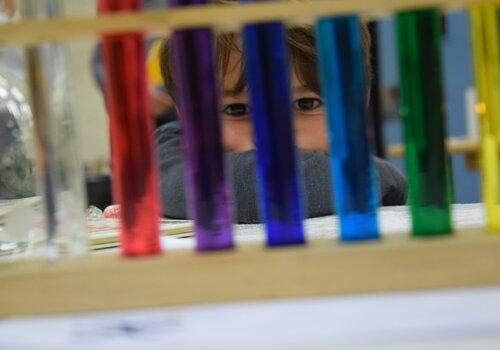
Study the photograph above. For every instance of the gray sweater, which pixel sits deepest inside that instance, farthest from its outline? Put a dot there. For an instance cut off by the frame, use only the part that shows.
(316, 179)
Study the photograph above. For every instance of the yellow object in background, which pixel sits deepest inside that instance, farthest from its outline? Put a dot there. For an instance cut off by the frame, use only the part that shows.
(153, 65)
(485, 22)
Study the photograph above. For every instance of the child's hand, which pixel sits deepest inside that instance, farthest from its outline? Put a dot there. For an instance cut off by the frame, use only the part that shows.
(8, 8)
(159, 101)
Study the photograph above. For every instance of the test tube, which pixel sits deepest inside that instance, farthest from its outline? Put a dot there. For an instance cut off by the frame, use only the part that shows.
(268, 78)
(60, 172)
(344, 88)
(485, 25)
(197, 97)
(133, 162)
(422, 110)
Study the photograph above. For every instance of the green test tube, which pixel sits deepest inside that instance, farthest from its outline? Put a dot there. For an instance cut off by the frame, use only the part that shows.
(422, 110)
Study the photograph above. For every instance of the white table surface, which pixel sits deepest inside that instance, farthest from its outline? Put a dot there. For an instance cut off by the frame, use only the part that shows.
(445, 319)
(392, 220)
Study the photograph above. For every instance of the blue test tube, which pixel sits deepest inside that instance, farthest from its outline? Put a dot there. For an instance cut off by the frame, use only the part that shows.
(267, 72)
(343, 84)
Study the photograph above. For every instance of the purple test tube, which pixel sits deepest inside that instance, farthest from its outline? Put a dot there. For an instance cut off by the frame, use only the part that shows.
(196, 90)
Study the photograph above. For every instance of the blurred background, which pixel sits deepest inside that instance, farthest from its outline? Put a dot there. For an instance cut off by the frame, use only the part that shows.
(87, 79)
(92, 127)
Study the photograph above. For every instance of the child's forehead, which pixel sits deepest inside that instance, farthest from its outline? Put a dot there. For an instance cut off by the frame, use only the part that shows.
(234, 61)
(234, 83)
(233, 72)
(230, 54)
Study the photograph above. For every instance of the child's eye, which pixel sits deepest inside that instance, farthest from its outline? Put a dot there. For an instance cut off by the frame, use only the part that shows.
(236, 110)
(307, 104)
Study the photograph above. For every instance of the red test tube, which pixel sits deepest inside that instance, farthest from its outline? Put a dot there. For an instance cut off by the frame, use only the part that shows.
(133, 162)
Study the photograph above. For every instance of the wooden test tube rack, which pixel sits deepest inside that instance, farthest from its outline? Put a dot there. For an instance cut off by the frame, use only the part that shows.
(323, 267)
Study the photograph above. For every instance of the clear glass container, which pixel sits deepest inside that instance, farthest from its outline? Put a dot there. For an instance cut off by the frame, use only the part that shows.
(59, 169)
(18, 215)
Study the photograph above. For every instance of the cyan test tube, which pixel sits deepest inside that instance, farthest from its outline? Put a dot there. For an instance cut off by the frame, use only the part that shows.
(344, 89)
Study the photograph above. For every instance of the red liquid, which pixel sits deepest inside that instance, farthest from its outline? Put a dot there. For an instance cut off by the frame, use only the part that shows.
(133, 162)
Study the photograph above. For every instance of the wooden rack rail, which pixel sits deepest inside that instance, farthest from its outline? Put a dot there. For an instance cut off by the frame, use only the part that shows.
(468, 147)
(223, 17)
(323, 267)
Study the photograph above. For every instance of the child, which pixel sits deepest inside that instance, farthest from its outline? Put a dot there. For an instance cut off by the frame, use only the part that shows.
(310, 133)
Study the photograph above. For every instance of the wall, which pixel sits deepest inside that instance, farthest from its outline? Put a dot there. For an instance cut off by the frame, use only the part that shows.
(89, 105)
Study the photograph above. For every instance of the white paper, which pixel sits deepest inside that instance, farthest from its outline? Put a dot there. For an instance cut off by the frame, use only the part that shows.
(457, 319)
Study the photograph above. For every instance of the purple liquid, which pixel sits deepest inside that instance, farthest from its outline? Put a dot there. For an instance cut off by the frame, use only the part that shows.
(198, 101)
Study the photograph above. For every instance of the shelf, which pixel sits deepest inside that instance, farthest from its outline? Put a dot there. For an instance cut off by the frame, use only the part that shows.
(323, 267)
(468, 147)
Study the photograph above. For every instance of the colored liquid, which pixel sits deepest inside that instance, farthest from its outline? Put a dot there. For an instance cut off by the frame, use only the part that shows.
(485, 21)
(344, 89)
(267, 72)
(199, 111)
(429, 177)
(134, 170)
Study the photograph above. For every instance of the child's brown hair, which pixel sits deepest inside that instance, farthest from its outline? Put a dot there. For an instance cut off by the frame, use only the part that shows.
(302, 52)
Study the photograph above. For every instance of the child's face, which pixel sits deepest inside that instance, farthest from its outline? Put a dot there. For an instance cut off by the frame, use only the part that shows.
(308, 112)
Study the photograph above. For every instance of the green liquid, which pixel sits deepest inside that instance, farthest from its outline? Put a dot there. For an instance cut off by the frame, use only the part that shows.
(422, 110)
